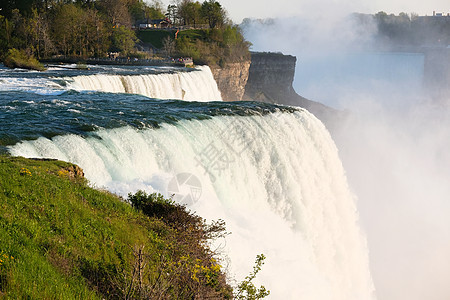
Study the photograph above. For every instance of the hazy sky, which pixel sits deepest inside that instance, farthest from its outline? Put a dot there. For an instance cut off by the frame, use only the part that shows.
(239, 9)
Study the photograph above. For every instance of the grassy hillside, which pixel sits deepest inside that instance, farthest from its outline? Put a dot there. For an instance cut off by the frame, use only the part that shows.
(61, 239)
(154, 37)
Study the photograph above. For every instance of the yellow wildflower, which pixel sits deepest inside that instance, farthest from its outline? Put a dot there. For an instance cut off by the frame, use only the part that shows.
(25, 172)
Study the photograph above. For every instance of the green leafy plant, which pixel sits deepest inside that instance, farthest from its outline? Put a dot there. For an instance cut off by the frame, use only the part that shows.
(194, 269)
(246, 290)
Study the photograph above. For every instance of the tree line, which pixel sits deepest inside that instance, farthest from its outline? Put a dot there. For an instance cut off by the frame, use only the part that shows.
(192, 13)
(408, 29)
(221, 43)
(93, 28)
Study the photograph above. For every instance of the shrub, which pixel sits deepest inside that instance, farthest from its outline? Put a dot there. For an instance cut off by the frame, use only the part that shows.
(246, 290)
(193, 268)
(19, 59)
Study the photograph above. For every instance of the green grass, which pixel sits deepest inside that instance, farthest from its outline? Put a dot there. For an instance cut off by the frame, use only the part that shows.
(193, 34)
(155, 37)
(61, 239)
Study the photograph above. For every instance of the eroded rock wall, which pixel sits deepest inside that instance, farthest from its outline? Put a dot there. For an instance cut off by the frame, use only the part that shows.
(267, 78)
(270, 77)
(270, 80)
(232, 80)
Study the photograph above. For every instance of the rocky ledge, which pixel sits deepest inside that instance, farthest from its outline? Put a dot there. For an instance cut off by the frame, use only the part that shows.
(268, 77)
(232, 80)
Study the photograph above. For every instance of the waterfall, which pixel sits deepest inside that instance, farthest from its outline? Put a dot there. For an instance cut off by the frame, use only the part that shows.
(276, 180)
(195, 85)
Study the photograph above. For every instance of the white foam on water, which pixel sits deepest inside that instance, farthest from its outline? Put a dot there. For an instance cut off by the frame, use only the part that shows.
(276, 180)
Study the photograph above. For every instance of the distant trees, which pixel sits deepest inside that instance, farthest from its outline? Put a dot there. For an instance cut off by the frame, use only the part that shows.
(6, 29)
(92, 28)
(116, 11)
(190, 13)
(169, 46)
(209, 12)
(123, 39)
(38, 33)
(67, 29)
(412, 30)
(79, 32)
(31, 34)
(172, 12)
(216, 46)
(72, 27)
(214, 13)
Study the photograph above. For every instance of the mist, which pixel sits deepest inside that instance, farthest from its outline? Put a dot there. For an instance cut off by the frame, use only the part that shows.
(394, 145)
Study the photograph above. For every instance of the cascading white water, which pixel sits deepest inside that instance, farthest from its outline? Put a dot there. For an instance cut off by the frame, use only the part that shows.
(196, 85)
(276, 180)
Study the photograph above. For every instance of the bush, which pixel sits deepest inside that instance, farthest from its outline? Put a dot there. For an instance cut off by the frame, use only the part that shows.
(194, 235)
(194, 269)
(246, 290)
(19, 59)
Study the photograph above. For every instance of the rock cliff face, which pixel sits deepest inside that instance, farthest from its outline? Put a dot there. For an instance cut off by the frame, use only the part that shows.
(270, 80)
(270, 77)
(232, 80)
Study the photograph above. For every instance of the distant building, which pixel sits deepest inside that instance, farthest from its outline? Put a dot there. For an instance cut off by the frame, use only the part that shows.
(440, 14)
(154, 24)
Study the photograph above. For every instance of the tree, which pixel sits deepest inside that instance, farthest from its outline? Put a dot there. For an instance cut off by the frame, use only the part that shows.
(404, 17)
(38, 35)
(97, 35)
(123, 40)
(157, 5)
(190, 12)
(139, 10)
(6, 29)
(172, 13)
(23, 6)
(15, 31)
(152, 13)
(169, 46)
(116, 11)
(67, 27)
(213, 12)
(78, 31)
(414, 16)
(381, 16)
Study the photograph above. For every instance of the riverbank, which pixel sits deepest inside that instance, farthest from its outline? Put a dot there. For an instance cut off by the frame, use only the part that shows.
(60, 238)
(169, 62)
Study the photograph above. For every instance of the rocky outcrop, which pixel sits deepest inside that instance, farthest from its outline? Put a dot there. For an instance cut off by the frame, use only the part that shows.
(232, 80)
(66, 169)
(270, 77)
(74, 172)
(270, 80)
